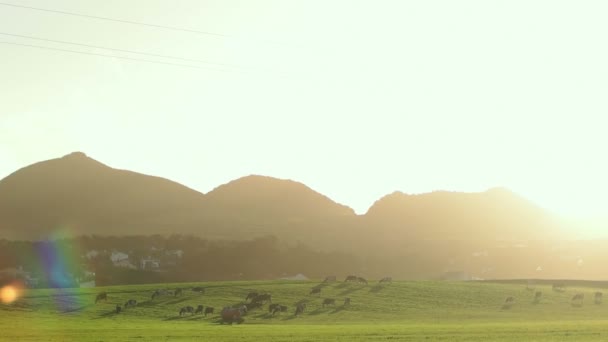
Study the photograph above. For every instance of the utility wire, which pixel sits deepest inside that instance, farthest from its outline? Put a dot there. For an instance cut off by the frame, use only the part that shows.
(120, 50)
(118, 20)
(119, 57)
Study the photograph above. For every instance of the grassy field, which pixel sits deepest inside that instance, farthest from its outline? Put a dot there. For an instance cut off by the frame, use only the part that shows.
(410, 311)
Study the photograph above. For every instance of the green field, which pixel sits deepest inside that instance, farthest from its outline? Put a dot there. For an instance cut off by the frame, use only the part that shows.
(412, 311)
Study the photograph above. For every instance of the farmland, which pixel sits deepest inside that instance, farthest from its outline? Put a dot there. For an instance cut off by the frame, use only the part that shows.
(408, 311)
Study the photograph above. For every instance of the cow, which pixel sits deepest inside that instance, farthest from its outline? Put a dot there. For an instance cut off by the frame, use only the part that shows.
(577, 299)
(199, 289)
(232, 315)
(279, 309)
(262, 298)
(186, 309)
(271, 307)
(386, 280)
(300, 308)
(208, 310)
(329, 301)
(101, 296)
(199, 310)
(509, 301)
(346, 301)
(315, 290)
(130, 303)
(350, 278)
(597, 297)
(118, 309)
(361, 280)
(329, 279)
(178, 292)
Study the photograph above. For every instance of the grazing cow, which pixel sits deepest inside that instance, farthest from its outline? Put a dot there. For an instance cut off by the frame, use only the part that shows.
(199, 289)
(300, 308)
(328, 279)
(130, 303)
(118, 309)
(346, 301)
(251, 295)
(199, 310)
(271, 307)
(178, 292)
(185, 310)
(597, 297)
(509, 301)
(386, 280)
(577, 299)
(155, 294)
(232, 315)
(362, 280)
(208, 310)
(101, 296)
(262, 298)
(329, 301)
(350, 278)
(315, 290)
(279, 309)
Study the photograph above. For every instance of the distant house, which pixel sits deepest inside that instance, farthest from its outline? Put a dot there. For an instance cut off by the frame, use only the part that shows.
(91, 254)
(118, 256)
(124, 263)
(176, 253)
(149, 263)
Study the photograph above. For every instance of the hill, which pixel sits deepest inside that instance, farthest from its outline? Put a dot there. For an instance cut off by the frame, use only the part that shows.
(84, 196)
(496, 214)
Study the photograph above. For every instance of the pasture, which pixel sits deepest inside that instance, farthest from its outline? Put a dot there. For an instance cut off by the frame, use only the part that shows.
(407, 311)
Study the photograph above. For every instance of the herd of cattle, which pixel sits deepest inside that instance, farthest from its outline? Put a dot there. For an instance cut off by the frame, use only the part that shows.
(576, 300)
(253, 300)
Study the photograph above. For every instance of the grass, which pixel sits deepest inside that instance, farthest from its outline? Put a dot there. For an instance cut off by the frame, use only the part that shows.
(408, 311)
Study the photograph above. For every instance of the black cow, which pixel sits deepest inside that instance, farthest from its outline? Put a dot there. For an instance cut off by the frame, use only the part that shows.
(199, 310)
(263, 298)
(208, 310)
(130, 303)
(199, 289)
(329, 279)
(118, 309)
(597, 297)
(101, 296)
(350, 278)
(361, 280)
(186, 309)
(271, 307)
(251, 295)
(577, 299)
(315, 290)
(178, 292)
(300, 308)
(386, 280)
(329, 301)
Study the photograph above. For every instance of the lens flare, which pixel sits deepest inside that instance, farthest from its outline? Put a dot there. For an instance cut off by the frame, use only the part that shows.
(8, 294)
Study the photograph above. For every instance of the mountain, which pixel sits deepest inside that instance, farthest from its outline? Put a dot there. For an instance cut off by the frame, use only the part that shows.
(81, 195)
(85, 196)
(496, 214)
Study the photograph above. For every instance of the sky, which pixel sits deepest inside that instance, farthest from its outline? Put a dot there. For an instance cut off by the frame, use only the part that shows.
(355, 99)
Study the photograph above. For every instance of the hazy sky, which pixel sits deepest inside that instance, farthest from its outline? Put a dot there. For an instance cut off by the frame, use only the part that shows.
(354, 98)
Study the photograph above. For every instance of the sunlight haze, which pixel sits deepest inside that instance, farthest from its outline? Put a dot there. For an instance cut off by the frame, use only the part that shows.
(355, 99)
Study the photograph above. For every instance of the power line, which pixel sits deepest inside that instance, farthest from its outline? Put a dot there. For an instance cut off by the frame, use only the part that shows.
(120, 50)
(119, 20)
(119, 57)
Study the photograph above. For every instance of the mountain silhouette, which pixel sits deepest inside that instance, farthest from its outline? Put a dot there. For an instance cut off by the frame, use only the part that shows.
(83, 196)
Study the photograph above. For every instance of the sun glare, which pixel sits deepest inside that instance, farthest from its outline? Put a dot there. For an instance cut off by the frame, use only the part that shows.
(9, 294)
